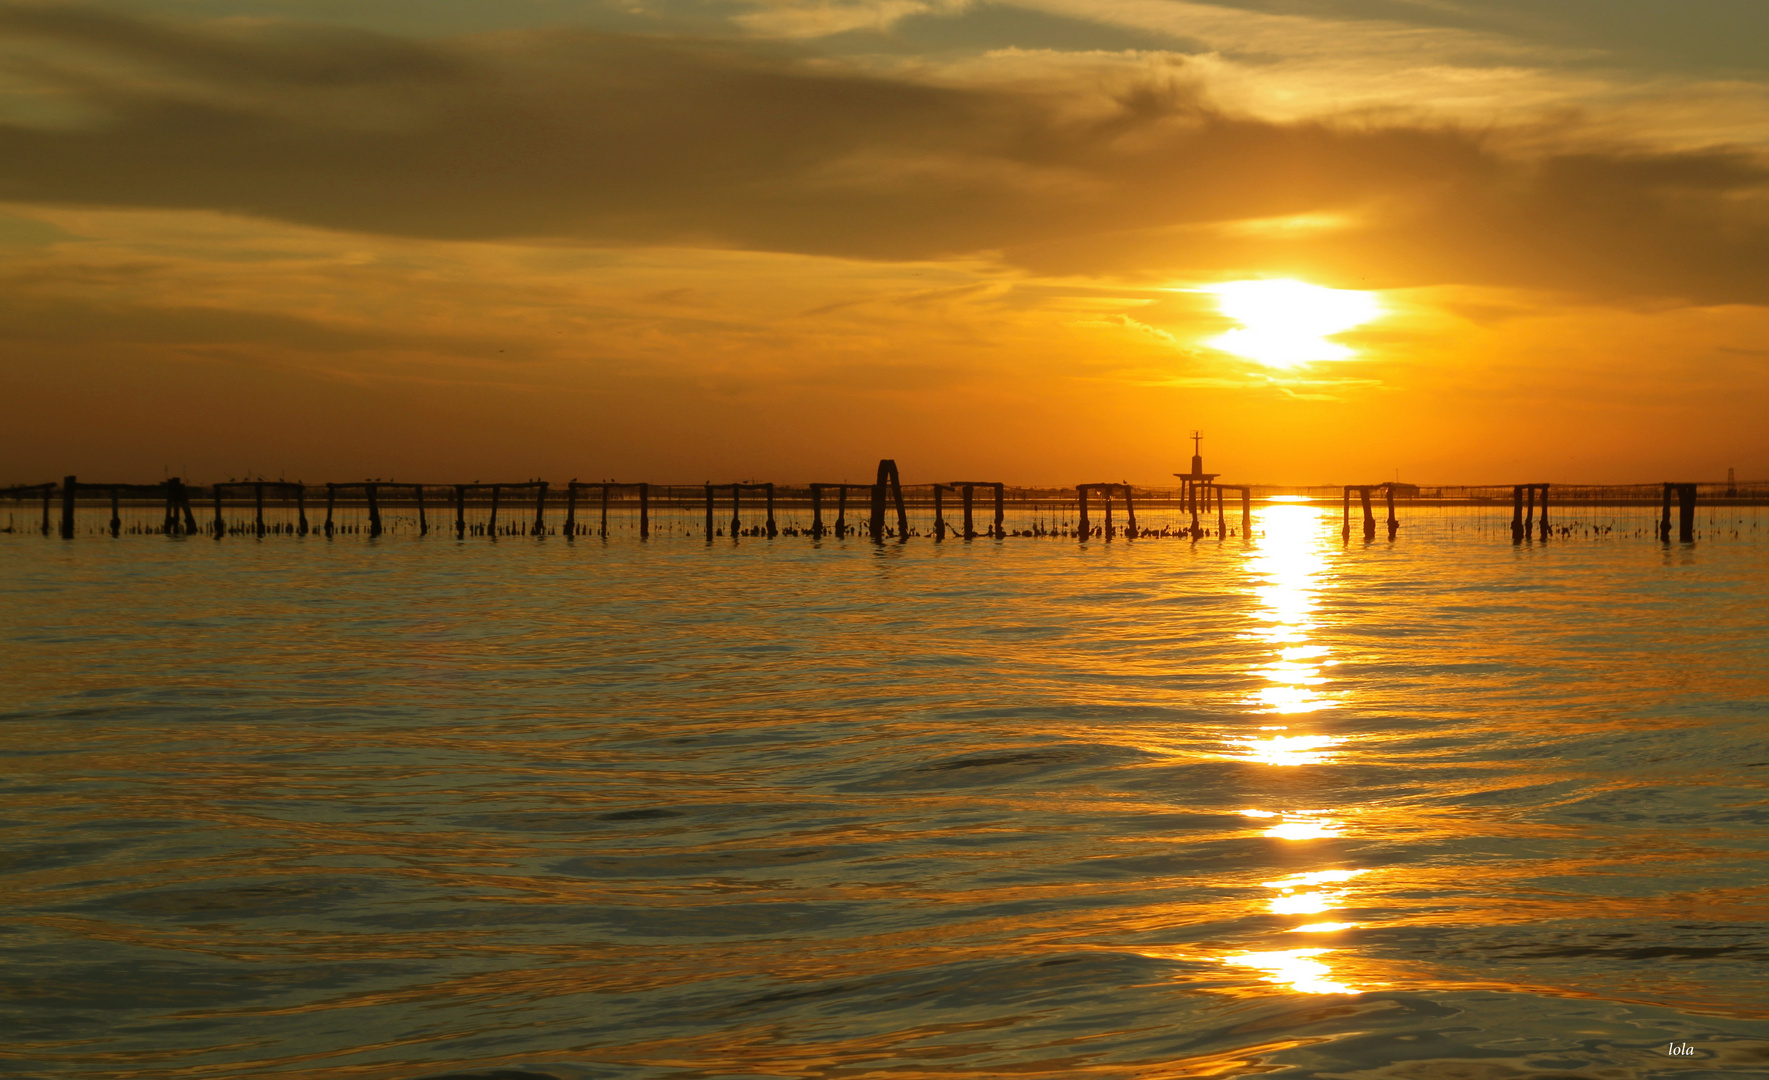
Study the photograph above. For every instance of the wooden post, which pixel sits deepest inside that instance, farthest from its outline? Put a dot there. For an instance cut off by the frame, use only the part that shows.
(497, 491)
(258, 502)
(68, 486)
(970, 533)
(939, 515)
(736, 518)
(1544, 511)
(460, 513)
(423, 521)
(116, 519)
(1369, 515)
(221, 523)
(604, 526)
(301, 509)
(1000, 511)
(190, 517)
(1084, 529)
(1394, 522)
(373, 492)
(1192, 486)
(1664, 521)
(841, 511)
(540, 510)
(1517, 514)
(877, 519)
(709, 512)
(1105, 494)
(644, 511)
(1686, 513)
(1130, 532)
(168, 522)
(1529, 510)
(1345, 516)
(571, 510)
(1246, 511)
(48, 498)
(771, 530)
(816, 511)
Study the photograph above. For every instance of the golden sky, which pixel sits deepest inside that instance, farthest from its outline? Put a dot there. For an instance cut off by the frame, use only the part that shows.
(681, 240)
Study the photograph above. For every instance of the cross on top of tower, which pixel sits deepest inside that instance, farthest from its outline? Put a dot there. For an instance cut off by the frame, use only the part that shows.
(1197, 437)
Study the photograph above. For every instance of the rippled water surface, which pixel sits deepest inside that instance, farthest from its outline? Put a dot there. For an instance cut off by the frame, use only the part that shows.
(1444, 807)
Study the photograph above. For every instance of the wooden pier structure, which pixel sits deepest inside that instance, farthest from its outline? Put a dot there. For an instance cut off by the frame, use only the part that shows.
(1084, 512)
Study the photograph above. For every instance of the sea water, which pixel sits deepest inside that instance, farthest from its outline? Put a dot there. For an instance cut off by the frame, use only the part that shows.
(1286, 805)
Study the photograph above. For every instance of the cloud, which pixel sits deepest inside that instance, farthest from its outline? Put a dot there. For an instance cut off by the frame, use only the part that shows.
(592, 138)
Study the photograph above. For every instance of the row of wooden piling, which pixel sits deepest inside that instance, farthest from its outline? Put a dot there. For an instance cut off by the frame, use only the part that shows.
(1198, 497)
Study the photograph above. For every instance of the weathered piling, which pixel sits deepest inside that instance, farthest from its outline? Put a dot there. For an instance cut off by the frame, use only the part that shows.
(372, 493)
(1517, 514)
(968, 492)
(736, 519)
(1686, 513)
(258, 503)
(116, 517)
(460, 513)
(604, 524)
(1000, 511)
(1130, 529)
(571, 510)
(301, 508)
(644, 511)
(939, 514)
(1369, 515)
(709, 513)
(841, 512)
(817, 511)
(68, 484)
(769, 490)
(540, 509)
(887, 475)
(1529, 510)
(491, 528)
(1544, 517)
(1083, 528)
(1394, 522)
(331, 502)
(423, 522)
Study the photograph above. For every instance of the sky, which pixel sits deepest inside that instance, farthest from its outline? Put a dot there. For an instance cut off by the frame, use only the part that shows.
(1041, 242)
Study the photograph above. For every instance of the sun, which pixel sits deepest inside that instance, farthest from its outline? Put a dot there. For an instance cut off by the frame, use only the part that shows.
(1286, 323)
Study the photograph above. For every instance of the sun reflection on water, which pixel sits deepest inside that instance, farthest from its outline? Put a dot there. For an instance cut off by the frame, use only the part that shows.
(1290, 570)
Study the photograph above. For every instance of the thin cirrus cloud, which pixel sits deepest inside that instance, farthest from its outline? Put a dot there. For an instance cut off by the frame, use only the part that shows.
(580, 136)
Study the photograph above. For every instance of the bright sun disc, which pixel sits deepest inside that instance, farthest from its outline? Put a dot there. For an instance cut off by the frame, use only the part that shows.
(1286, 323)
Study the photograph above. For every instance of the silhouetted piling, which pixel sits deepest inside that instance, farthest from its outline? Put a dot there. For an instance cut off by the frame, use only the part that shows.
(1517, 514)
(460, 513)
(492, 528)
(116, 517)
(540, 510)
(1369, 515)
(769, 490)
(604, 525)
(68, 484)
(939, 514)
(968, 494)
(1544, 517)
(1686, 513)
(1664, 521)
(301, 508)
(736, 518)
(644, 511)
(373, 494)
(1394, 522)
(841, 512)
(709, 513)
(1000, 511)
(1083, 528)
(1130, 530)
(423, 521)
(816, 511)
(571, 510)
(258, 502)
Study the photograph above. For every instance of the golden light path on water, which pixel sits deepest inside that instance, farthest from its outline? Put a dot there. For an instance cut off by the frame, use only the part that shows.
(1289, 569)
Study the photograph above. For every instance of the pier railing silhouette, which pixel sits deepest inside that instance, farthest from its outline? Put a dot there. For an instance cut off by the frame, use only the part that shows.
(261, 508)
